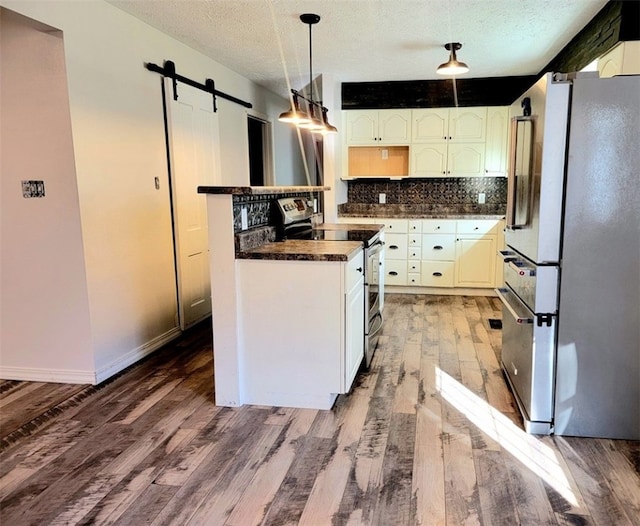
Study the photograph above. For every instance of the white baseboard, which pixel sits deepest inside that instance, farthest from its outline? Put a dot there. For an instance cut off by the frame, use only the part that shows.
(136, 355)
(34, 374)
(444, 291)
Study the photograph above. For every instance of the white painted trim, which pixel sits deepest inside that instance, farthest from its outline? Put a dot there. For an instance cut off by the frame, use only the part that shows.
(136, 355)
(30, 374)
(444, 291)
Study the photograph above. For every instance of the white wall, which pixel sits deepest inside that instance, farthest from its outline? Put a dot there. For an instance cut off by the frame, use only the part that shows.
(332, 99)
(44, 299)
(118, 141)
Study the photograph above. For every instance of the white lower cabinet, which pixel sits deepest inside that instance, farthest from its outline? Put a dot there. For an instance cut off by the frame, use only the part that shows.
(476, 248)
(475, 261)
(437, 273)
(396, 245)
(302, 330)
(444, 253)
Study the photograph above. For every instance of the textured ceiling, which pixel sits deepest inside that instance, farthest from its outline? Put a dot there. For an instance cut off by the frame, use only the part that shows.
(369, 40)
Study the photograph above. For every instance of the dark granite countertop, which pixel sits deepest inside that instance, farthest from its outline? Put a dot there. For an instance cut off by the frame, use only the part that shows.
(304, 250)
(259, 190)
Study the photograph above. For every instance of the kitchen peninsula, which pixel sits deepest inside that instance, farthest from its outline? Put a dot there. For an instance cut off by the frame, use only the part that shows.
(288, 316)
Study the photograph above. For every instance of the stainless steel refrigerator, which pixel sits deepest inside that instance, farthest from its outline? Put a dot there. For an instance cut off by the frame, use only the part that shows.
(571, 299)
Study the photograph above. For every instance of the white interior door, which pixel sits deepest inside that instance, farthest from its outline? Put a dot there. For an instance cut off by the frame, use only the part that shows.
(194, 161)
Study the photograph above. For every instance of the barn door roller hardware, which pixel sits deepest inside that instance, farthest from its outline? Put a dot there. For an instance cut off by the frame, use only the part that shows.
(169, 70)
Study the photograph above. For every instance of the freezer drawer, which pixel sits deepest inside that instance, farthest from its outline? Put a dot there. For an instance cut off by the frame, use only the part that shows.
(528, 361)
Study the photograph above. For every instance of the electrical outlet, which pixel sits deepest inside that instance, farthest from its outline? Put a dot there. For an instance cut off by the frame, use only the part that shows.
(244, 219)
(481, 198)
(385, 154)
(382, 198)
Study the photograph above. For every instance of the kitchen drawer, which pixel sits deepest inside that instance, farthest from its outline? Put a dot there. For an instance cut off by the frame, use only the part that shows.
(397, 226)
(395, 272)
(415, 240)
(437, 274)
(438, 246)
(479, 226)
(415, 226)
(354, 271)
(413, 267)
(438, 226)
(414, 253)
(414, 279)
(395, 246)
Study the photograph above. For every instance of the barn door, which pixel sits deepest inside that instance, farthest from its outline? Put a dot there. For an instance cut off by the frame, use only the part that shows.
(192, 128)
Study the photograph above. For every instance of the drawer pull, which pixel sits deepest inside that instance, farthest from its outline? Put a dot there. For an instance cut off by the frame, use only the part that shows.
(437, 247)
(437, 274)
(437, 228)
(393, 273)
(393, 247)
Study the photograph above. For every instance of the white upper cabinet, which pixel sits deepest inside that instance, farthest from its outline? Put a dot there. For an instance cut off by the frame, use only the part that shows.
(439, 142)
(449, 124)
(497, 141)
(467, 124)
(623, 59)
(430, 125)
(374, 127)
(465, 159)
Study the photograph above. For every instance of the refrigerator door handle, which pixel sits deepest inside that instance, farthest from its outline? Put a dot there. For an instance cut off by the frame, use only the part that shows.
(521, 314)
(507, 255)
(520, 173)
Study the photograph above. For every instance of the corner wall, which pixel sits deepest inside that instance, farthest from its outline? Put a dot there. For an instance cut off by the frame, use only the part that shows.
(45, 333)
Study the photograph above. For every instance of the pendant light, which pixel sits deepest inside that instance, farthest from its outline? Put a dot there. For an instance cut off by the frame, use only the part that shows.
(294, 115)
(453, 66)
(315, 118)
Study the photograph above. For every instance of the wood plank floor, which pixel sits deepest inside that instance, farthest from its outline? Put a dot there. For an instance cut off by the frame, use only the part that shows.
(428, 436)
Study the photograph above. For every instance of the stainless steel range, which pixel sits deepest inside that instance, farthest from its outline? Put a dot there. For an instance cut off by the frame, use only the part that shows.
(296, 214)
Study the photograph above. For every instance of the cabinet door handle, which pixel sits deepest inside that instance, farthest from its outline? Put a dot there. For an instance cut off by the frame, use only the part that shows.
(437, 274)
(393, 273)
(437, 247)
(359, 269)
(393, 247)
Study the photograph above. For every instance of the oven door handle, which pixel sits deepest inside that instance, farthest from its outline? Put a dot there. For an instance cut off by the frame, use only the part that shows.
(520, 312)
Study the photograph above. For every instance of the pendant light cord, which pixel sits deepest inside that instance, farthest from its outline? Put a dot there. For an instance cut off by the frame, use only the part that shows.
(310, 65)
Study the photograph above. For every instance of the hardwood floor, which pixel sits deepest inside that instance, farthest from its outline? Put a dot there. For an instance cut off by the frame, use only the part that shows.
(429, 435)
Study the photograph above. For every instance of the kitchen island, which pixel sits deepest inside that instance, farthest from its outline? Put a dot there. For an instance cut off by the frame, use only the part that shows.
(288, 316)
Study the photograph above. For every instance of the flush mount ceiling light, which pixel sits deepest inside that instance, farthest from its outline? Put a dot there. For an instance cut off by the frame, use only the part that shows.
(452, 67)
(315, 117)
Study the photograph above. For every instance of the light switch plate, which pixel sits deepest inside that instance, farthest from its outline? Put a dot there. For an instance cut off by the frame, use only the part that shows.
(32, 189)
(382, 198)
(481, 198)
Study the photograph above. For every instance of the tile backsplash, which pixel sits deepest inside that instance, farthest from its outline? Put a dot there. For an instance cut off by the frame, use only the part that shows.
(438, 195)
(261, 208)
